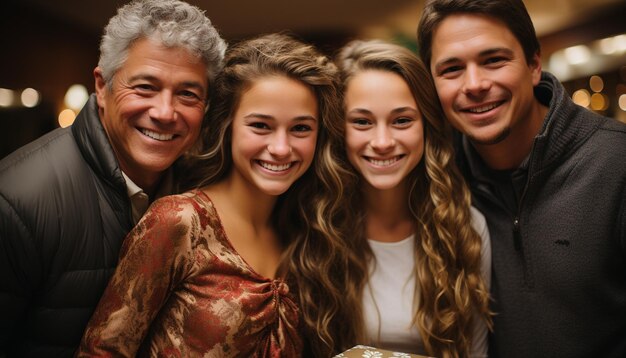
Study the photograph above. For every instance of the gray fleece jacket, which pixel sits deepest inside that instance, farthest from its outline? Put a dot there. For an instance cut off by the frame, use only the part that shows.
(558, 233)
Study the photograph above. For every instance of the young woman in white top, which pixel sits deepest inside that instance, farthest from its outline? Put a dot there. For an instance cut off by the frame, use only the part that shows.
(425, 281)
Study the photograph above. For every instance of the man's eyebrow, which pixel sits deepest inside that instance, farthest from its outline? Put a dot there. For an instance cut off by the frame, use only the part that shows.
(483, 53)
(185, 84)
(495, 50)
(143, 76)
(447, 61)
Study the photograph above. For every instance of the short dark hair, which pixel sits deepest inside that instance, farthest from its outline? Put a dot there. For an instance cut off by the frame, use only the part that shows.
(512, 13)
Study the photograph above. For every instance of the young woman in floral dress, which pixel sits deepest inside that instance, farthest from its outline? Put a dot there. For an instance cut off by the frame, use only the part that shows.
(224, 269)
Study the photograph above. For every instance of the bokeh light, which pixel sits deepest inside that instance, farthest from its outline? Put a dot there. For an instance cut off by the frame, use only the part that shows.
(66, 118)
(76, 97)
(581, 98)
(6, 97)
(622, 102)
(577, 55)
(599, 102)
(607, 46)
(620, 42)
(596, 83)
(30, 97)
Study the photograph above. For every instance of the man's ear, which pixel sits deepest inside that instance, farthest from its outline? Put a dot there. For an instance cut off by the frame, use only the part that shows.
(101, 87)
(535, 68)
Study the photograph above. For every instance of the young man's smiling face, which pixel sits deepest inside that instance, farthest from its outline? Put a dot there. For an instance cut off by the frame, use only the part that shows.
(482, 77)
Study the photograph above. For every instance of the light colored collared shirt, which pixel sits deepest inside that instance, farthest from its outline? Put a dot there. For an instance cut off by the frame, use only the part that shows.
(139, 200)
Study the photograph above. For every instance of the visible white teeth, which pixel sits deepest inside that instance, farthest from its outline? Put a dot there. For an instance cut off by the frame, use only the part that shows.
(157, 136)
(275, 167)
(383, 163)
(483, 108)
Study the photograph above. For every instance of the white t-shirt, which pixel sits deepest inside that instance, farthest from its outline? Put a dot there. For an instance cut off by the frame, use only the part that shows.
(388, 296)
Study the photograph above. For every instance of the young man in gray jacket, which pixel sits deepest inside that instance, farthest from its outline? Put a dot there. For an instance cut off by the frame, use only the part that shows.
(548, 175)
(68, 199)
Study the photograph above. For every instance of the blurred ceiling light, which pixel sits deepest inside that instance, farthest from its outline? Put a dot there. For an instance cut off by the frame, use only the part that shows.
(76, 97)
(596, 83)
(611, 45)
(30, 97)
(622, 102)
(607, 46)
(558, 64)
(620, 42)
(581, 98)
(6, 97)
(66, 118)
(577, 55)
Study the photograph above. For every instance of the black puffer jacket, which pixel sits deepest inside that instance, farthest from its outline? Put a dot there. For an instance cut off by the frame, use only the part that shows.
(64, 212)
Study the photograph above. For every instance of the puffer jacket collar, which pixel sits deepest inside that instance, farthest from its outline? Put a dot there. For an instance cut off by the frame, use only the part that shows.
(94, 145)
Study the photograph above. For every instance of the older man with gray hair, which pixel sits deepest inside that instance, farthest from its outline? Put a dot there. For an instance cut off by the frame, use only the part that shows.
(68, 199)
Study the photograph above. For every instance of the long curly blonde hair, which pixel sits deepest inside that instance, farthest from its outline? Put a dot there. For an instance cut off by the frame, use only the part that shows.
(307, 216)
(451, 290)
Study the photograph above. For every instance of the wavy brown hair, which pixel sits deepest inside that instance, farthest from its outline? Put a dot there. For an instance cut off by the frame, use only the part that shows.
(308, 214)
(451, 290)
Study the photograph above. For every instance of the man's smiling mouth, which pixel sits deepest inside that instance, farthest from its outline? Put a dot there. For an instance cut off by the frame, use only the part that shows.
(156, 136)
(485, 108)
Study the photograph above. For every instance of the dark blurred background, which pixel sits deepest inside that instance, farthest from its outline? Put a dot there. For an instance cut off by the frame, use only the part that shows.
(50, 48)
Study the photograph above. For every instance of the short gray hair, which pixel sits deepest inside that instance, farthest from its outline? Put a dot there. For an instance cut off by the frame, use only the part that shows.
(174, 23)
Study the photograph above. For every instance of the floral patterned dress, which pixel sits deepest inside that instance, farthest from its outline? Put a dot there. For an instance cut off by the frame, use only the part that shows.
(181, 290)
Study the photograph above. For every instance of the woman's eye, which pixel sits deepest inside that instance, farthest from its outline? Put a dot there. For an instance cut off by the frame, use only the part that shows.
(259, 125)
(301, 128)
(360, 122)
(403, 121)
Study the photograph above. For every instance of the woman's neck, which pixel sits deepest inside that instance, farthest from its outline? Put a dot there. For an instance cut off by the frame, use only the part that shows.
(244, 201)
(387, 215)
(245, 214)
